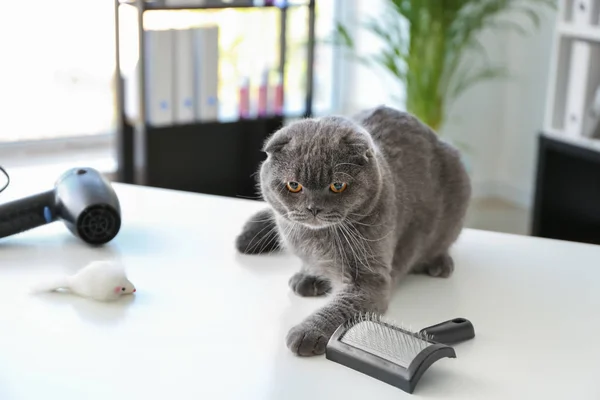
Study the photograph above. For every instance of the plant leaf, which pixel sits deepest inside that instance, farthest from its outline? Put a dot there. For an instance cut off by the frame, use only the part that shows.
(433, 46)
(390, 62)
(533, 16)
(341, 37)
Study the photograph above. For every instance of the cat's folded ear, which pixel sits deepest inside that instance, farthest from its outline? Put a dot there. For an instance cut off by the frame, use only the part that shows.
(365, 155)
(276, 142)
(362, 147)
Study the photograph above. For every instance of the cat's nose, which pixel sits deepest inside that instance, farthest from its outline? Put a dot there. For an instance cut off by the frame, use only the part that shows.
(314, 210)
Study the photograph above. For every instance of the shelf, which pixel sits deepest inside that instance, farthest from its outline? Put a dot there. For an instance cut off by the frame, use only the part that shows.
(589, 33)
(218, 158)
(215, 5)
(567, 194)
(213, 157)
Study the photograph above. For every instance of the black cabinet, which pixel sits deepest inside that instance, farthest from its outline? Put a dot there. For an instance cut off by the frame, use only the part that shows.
(567, 193)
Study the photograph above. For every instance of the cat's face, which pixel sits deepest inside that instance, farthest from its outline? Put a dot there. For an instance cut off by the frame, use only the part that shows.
(320, 172)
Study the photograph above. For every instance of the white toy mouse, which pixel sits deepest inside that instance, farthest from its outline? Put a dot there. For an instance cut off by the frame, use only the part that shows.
(99, 280)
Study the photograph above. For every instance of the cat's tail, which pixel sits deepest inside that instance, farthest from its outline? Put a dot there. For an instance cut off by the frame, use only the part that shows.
(51, 285)
(259, 235)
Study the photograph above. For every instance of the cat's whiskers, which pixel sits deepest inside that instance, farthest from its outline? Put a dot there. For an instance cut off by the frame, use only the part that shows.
(273, 236)
(345, 257)
(331, 219)
(276, 237)
(254, 237)
(362, 223)
(262, 220)
(261, 240)
(294, 232)
(369, 240)
(365, 255)
(366, 249)
(359, 259)
(355, 233)
(339, 251)
(287, 235)
(271, 233)
(346, 163)
(361, 215)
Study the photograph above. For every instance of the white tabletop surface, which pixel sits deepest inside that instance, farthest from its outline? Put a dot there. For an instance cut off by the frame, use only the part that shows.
(208, 323)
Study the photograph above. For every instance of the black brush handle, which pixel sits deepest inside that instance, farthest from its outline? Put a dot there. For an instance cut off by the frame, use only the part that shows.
(451, 331)
(27, 213)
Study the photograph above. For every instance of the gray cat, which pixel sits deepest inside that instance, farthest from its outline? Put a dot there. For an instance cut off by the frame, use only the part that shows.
(362, 201)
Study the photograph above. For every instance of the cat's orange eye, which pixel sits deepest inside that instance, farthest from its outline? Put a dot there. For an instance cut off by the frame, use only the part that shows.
(338, 187)
(294, 187)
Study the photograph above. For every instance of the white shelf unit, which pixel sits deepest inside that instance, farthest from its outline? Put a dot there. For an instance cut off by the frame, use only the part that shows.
(574, 81)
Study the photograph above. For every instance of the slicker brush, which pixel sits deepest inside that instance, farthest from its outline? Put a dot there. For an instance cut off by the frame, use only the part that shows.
(395, 355)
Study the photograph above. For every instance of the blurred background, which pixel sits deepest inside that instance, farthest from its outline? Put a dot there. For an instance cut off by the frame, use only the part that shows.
(512, 83)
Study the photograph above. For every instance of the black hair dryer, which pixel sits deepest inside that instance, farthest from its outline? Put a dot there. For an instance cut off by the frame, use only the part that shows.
(82, 198)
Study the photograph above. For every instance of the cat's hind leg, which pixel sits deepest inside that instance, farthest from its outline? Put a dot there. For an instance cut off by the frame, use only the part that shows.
(441, 266)
(259, 235)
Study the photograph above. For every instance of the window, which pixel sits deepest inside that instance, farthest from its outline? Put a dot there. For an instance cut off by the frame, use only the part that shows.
(56, 70)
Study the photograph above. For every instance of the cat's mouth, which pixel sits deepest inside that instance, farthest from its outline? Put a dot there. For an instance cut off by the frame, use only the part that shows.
(317, 221)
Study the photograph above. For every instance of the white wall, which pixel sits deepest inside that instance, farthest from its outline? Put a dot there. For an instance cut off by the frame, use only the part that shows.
(362, 86)
(501, 120)
(476, 122)
(524, 111)
(498, 120)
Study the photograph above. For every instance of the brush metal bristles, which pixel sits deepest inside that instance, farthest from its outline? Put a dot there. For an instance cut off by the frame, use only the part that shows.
(372, 333)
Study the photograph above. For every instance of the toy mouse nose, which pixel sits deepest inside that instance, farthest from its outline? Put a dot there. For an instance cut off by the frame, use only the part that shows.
(134, 290)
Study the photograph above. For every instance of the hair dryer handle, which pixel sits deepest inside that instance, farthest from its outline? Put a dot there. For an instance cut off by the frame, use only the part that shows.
(30, 212)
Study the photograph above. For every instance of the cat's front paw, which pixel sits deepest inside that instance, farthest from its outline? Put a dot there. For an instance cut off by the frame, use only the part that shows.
(307, 339)
(309, 285)
(441, 267)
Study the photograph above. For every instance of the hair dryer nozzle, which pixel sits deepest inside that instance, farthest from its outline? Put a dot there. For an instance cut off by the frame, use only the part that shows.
(88, 205)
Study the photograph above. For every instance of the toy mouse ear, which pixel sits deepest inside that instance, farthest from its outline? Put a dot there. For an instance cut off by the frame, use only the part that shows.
(117, 289)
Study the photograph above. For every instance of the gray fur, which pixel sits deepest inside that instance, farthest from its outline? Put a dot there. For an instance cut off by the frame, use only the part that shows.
(402, 210)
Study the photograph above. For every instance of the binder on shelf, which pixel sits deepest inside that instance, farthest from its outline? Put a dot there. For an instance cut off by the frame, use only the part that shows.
(593, 128)
(594, 132)
(208, 3)
(583, 11)
(263, 95)
(159, 77)
(185, 3)
(576, 89)
(183, 78)
(225, 3)
(206, 60)
(578, 75)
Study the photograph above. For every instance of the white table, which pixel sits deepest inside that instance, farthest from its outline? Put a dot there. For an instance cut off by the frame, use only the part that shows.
(207, 323)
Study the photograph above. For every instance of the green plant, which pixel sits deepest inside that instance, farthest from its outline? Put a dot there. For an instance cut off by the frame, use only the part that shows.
(426, 44)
